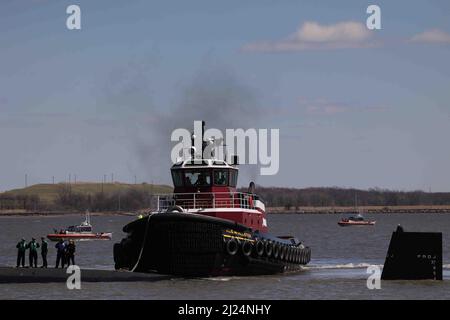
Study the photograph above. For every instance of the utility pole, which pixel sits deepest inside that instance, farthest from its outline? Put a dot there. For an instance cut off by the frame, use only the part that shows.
(26, 180)
(53, 179)
(135, 179)
(112, 177)
(70, 178)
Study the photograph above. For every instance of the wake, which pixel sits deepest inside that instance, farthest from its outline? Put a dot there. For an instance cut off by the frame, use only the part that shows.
(361, 265)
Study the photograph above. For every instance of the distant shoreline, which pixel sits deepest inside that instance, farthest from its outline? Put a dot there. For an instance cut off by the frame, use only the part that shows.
(11, 213)
(362, 209)
(270, 210)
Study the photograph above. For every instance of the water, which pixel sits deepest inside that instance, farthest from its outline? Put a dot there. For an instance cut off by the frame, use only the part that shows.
(340, 257)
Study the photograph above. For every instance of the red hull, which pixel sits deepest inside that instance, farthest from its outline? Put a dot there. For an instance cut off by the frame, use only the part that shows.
(356, 223)
(79, 236)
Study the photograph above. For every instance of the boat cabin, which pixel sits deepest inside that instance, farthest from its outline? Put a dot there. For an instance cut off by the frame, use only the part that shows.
(208, 187)
(80, 228)
(207, 175)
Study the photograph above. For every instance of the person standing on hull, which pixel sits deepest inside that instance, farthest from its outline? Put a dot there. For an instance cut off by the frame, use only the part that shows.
(33, 254)
(44, 251)
(71, 252)
(21, 248)
(60, 253)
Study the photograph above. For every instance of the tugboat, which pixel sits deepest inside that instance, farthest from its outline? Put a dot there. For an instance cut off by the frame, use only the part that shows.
(80, 232)
(207, 228)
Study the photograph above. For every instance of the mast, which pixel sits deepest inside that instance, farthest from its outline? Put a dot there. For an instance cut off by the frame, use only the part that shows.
(88, 218)
(356, 204)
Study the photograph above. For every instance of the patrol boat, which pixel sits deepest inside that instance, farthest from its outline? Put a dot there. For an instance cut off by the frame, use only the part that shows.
(357, 220)
(80, 232)
(207, 228)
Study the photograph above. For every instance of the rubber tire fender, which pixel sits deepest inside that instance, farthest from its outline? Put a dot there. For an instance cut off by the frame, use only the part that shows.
(282, 252)
(268, 248)
(276, 251)
(246, 248)
(232, 246)
(259, 248)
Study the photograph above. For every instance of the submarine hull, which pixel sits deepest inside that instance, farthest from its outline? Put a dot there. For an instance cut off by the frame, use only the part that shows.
(413, 256)
(197, 245)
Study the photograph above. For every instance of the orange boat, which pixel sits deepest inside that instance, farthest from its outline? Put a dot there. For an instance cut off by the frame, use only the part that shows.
(356, 221)
(80, 232)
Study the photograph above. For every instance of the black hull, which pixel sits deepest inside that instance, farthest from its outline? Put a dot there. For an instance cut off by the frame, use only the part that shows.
(197, 245)
(413, 256)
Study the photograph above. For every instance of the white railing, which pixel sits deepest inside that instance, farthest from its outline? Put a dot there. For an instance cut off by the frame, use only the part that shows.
(206, 200)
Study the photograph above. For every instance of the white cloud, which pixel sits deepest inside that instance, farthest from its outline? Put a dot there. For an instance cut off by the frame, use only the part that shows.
(432, 36)
(312, 35)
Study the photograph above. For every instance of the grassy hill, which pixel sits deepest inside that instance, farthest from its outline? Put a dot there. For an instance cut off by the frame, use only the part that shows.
(49, 192)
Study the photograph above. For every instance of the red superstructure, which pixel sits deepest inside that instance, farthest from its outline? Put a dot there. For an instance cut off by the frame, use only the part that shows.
(208, 187)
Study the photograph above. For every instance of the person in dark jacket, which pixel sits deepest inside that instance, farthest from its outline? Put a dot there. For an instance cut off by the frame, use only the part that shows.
(44, 251)
(70, 253)
(60, 253)
(33, 254)
(21, 248)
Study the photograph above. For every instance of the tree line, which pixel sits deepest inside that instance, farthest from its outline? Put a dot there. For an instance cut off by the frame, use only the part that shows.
(124, 200)
(134, 199)
(329, 197)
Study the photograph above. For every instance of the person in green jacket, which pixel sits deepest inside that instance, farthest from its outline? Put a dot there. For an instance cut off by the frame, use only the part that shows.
(21, 248)
(33, 246)
(44, 251)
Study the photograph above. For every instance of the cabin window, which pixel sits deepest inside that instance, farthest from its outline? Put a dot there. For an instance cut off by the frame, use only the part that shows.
(193, 163)
(177, 178)
(221, 177)
(233, 178)
(197, 178)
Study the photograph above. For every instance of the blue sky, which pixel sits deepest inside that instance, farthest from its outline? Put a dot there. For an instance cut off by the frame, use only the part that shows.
(355, 108)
